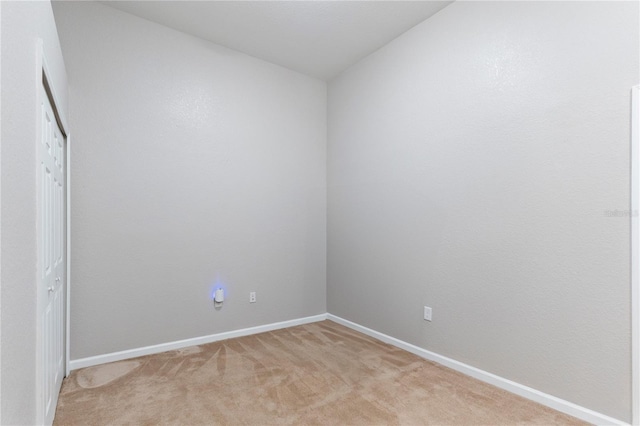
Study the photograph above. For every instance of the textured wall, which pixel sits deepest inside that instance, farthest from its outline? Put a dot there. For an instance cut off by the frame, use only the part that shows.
(22, 24)
(192, 164)
(471, 164)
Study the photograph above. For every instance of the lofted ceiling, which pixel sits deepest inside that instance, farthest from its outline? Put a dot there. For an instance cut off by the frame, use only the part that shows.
(317, 38)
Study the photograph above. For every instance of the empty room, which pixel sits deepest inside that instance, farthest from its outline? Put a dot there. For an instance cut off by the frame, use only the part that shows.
(319, 212)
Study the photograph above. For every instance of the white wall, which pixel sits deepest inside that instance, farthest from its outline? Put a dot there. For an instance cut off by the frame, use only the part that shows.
(471, 164)
(191, 163)
(22, 24)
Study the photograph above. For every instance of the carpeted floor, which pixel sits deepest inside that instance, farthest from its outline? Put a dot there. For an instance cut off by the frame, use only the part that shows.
(320, 373)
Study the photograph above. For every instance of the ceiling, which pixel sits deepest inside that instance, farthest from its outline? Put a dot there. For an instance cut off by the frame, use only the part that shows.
(317, 38)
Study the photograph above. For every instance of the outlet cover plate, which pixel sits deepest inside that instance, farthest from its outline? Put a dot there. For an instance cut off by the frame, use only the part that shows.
(427, 313)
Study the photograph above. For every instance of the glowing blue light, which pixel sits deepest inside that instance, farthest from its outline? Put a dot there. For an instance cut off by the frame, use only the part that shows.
(216, 285)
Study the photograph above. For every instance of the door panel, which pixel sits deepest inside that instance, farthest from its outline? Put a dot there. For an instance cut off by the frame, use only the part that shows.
(53, 257)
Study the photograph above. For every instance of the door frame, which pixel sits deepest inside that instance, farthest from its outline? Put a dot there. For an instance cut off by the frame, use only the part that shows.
(635, 255)
(45, 87)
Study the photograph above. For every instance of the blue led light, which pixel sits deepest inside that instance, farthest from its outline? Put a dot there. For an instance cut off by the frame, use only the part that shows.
(218, 284)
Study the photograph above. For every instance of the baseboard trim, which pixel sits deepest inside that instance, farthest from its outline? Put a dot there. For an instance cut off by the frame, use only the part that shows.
(551, 401)
(163, 347)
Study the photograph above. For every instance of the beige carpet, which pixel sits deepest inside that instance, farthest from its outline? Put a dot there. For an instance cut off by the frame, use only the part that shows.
(320, 373)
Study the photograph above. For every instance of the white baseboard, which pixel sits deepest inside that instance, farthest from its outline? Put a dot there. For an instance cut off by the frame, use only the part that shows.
(551, 401)
(163, 347)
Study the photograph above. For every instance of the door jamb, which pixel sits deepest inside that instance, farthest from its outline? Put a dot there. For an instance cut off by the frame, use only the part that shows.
(635, 255)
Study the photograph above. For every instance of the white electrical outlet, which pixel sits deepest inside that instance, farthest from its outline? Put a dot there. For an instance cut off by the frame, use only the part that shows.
(252, 297)
(427, 313)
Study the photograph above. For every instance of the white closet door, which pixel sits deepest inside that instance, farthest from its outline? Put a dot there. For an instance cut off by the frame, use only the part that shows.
(52, 256)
